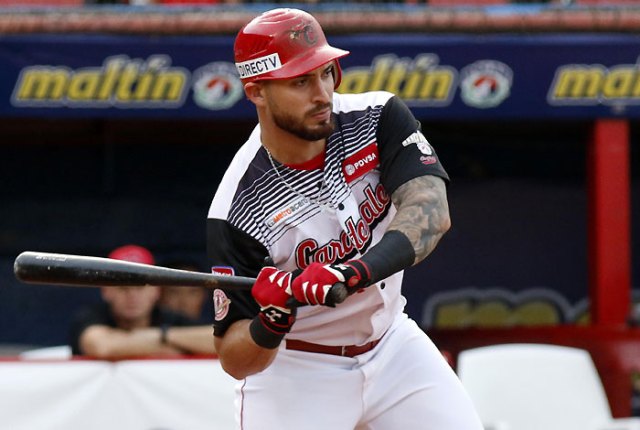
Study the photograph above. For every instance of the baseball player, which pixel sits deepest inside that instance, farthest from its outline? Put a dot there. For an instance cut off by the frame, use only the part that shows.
(328, 189)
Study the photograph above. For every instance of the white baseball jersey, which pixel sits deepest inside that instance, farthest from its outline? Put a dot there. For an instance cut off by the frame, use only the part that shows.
(329, 210)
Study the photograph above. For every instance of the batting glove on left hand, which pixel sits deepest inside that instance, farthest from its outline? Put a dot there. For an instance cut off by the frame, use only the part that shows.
(313, 284)
(272, 291)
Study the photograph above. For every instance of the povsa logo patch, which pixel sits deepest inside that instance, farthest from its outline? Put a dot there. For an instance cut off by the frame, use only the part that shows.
(361, 162)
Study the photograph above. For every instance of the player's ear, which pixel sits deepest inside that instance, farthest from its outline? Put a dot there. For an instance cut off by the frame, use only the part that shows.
(255, 92)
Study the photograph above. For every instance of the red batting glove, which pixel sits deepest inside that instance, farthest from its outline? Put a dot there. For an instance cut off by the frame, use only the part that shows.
(271, 291)
(313, 284)
(272, 288)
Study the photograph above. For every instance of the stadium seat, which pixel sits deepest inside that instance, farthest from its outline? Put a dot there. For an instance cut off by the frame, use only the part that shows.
(537, 386)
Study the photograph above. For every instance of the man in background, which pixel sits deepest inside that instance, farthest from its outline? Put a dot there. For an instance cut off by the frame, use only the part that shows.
(129, 321)
(190, 301)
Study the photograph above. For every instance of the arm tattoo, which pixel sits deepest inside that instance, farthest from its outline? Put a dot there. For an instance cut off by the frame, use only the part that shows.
(423, 213)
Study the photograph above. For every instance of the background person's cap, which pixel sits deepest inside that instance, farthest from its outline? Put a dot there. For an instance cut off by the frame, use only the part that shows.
(133, 253)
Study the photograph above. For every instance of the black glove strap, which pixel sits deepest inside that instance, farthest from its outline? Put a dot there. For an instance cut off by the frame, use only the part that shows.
(263, 336)
(362, 270)
(392, 254)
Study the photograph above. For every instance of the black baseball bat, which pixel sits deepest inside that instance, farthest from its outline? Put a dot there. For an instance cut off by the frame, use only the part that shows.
(87, 271)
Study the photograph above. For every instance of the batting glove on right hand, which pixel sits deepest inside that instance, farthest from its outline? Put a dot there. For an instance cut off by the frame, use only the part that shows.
(272, 291)
(313, 284)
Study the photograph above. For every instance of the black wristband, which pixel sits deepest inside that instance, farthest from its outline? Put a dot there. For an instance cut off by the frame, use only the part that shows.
(392, 254)
(262, 336)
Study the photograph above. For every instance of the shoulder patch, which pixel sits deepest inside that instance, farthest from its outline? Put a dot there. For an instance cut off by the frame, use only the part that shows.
(220, 304)
(421, 142)
(223, 270)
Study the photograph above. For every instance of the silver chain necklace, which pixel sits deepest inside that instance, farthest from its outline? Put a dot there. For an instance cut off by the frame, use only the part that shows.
(293, 190)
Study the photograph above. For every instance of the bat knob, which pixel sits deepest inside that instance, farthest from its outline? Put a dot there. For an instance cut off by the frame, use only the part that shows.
(21, 266)
(337, 294)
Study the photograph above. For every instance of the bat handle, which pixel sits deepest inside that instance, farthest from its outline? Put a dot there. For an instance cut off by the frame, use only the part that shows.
(336, 294)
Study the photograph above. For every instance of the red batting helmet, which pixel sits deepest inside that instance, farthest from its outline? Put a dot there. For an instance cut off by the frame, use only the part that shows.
(283, 43)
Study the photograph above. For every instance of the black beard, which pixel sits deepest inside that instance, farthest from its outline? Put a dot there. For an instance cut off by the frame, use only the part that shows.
(291, 125)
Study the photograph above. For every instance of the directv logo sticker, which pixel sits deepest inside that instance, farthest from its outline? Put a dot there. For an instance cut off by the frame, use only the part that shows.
(258, 66)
